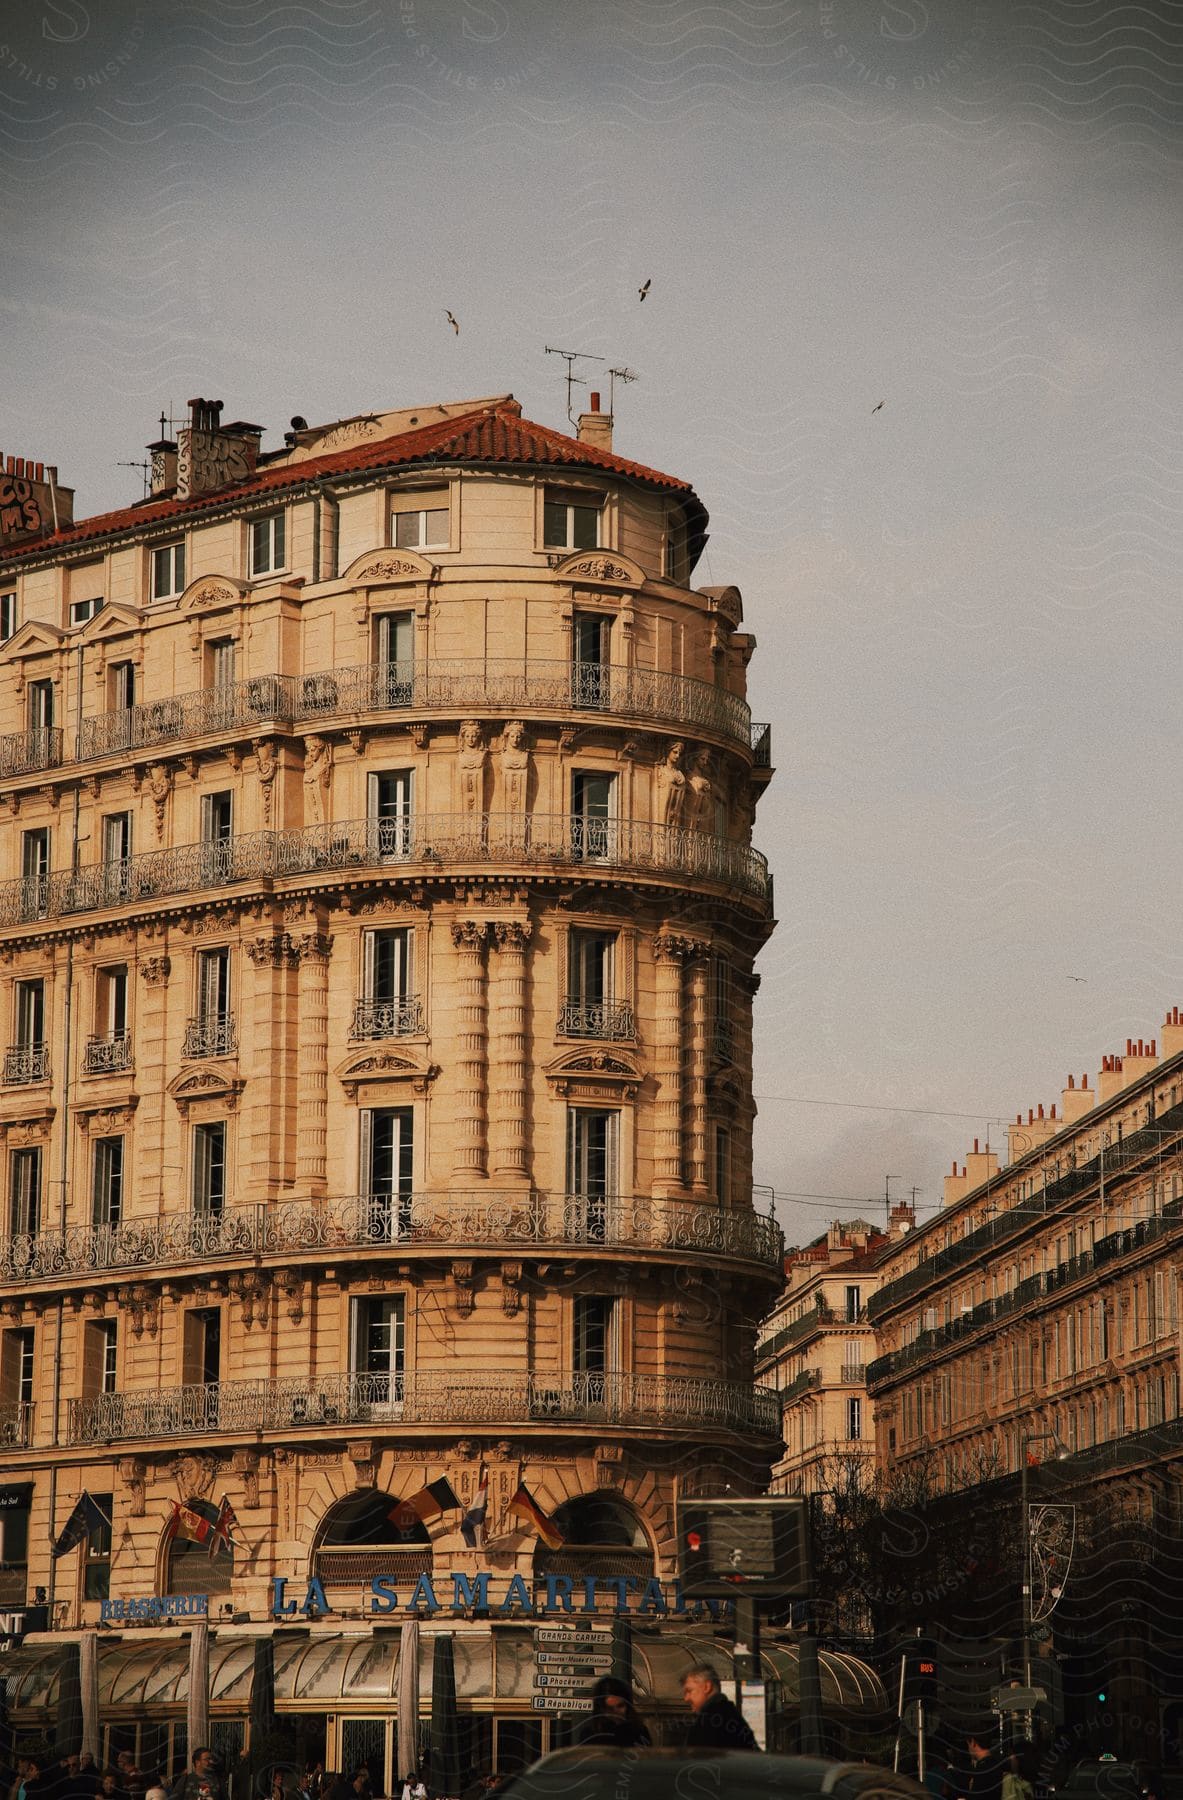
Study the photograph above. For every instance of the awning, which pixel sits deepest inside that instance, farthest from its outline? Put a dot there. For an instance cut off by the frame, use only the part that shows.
(662, 1658)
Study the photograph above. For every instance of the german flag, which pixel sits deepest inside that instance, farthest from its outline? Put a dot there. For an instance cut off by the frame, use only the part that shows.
(438, 1497)
(525, 1505)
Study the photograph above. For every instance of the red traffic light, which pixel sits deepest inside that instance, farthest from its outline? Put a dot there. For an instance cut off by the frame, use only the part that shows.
(694, 1540)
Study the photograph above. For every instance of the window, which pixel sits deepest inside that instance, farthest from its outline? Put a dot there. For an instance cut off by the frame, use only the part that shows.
(111, 1000)
(570, 519)
(24, 1192)
(168, 570)
(121, 686)
(107, 1196)
(394, 655)
(387, 1170)
(722, 1043)
(7, 616)
(217, 836)
(590, 1009)
(591, 657)
(593, 1346)
(209, 1167)
(390, 811)
(388, 1006)
(14, 1550)
(377, 1350)
(674, 559)
(82, 610)
(593, 807)
(220, 662)
(853, 1306)
(211, 1031)
(116, 846)
(35, 872)
(96, 1561)
(30, 1014)
(420, 521)
(593, 1135)
(201, 1346)
(100, 1357)
(267, 544)
(40, 704)
(17, 1367)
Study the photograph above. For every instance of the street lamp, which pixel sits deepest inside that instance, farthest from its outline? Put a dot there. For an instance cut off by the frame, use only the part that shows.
(1025, 1442)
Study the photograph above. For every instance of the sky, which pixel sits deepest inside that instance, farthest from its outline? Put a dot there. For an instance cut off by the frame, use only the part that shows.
(967, 601)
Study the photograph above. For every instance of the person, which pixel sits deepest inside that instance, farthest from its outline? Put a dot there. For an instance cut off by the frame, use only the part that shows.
(613, 1718)
(717, 1724)
(1015, 1783)
(413, 1788)
(986, 1766)
(88, 1775)
(202, 1781)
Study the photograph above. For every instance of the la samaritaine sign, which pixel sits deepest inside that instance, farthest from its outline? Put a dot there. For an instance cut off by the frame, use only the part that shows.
(463, 1594)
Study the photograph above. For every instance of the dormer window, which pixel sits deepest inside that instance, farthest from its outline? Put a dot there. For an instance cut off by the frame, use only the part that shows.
(168, 570)
(82, 610)
(570, 519)
(268, 551)
(420, 520)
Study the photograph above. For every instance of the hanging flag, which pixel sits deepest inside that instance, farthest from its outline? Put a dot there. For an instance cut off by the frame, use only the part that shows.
(222, 1535)
(187, 1524)
(472, 1525)
(86, 1518)
(524, 1504)
(438, 1497)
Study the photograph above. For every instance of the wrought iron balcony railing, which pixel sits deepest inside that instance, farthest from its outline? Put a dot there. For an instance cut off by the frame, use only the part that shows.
(462, 685)
(761, 746)
(210, 1034)
(16, 1424)
(800, 1384)
(653, 1401)
(533, 841)
(501, 1220)
(854, 1372)
(387, 1018)
(26, 1062)
(611, 1019)
(107, 1055)
(24, 752)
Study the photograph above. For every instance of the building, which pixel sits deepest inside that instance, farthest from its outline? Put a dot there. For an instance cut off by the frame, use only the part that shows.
(378, 954)
(1029, 1339)
(815, 1345)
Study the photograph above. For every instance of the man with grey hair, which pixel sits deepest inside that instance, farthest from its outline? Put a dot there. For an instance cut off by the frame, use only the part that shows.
(715, 1724)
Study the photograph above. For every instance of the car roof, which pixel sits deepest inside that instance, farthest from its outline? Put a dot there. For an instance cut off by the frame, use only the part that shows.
(642, 1774)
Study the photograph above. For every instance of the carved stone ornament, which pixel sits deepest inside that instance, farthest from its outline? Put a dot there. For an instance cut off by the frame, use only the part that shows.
(389, 568)
(469, 934)
(386, 1065)
(205, 1082)
(290, 1286)
(314, 946)
(104, 1121)
(252, 1290)
(156, 970)
(421, 734)
(597, 568)
(195, 1475)
(266, 768)
(207, 924)
(245, 1464)
(512, 934)
(360, 1455)
(142, 1304)
(670, 947)
(209, 592)
(278, 952)
(463, 1288)
(133, 1473)
(594, 1074)
(158, 778)
(511, 1289)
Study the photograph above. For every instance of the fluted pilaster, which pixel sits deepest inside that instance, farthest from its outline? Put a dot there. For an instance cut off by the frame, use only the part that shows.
(511, 1148)
(696, 1086)
(670, 953)
(313, 1085)
(472, 1052)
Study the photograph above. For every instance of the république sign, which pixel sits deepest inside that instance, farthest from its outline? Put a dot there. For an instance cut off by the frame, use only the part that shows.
(460, 1593)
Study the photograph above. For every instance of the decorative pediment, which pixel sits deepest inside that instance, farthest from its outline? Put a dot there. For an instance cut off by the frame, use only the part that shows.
(726, 602)
(212, 593)
(594, 1074)
(389, 568)
(600, 568)
(34, 638)
(102, 1118)
(111, 621)
(379, 1062)
(205, 1081)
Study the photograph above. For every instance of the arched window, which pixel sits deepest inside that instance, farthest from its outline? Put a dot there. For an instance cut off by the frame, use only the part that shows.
(189, 1568)
(603, 1536)
(370, 1533)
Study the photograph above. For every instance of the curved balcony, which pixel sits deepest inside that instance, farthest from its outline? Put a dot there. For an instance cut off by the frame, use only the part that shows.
(460, 686)
(499, 1221)
(432, 1399)
(530, 842)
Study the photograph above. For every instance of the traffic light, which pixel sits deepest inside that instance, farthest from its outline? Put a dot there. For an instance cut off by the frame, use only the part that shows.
(921, 1671)
(1102, 1696)
(727, 1547)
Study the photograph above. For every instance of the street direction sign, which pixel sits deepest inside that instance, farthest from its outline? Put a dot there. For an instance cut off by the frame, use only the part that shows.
(556, 1704)
(573, 1684)
(591, 1640)
(576, 1662)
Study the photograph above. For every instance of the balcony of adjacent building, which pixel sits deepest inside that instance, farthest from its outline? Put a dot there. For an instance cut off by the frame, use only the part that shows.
(455, 687)
(16, 1424)
(25, 1063)
(532, 843)
(452, 1401)
(373, 1225)
(400, 1016)
(108, 1054)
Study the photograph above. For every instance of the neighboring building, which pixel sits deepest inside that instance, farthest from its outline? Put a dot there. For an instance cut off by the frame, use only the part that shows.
(1036, 1321)
(815, 1345)
(378, 947)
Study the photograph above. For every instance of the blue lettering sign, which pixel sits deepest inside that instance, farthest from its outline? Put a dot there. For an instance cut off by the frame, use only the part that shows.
(384, 1597)
(653, 1599)
(469, 1593)
(556, 1584)
(315, 1600)
(281, 1608)
(518, 1593)
(423, 1595)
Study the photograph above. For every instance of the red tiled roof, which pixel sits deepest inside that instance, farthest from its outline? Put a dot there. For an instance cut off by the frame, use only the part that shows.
(494, 434)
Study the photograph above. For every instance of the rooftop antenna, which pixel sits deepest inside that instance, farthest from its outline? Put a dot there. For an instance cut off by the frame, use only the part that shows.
(571, 357)
(145, 469)
(615, 375)
(887, 1181)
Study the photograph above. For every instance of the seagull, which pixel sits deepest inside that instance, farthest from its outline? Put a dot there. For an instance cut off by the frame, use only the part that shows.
(874, 409)
(648, 284)
(1078, 978)
(452, 322)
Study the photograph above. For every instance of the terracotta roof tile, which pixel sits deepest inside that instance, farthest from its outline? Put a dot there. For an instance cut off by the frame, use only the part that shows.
(496, 434)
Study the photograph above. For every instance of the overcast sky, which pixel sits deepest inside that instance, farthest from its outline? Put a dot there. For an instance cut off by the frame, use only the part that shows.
(967, 603)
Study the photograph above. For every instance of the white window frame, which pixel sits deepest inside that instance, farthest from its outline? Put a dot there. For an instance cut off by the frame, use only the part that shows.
(114, 1173)
(167, 569)
(267, 540)
(406, 505)
(82, 610)
(25, 1172)
(572, 500)
(202, 1192)
(589, 843)
(392, 830)
(404, 963)
(386, 1399)
(109, 1359)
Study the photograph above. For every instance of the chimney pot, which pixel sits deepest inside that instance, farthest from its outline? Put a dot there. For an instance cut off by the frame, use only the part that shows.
(1041, 1109)
(975, 1146)
(595, 401)
(1053, 1109)
(1071, 1081)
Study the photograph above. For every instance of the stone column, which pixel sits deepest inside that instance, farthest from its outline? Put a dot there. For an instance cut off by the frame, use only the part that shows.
(470, 1158)
(669, 953)
(312, 1085)
(696, 1088)
(511, 1155)
(153, 1067)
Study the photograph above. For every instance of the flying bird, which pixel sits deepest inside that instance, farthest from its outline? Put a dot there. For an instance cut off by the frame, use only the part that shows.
(1078, 977)
(643, 291)
(874, 409)
(452, 322)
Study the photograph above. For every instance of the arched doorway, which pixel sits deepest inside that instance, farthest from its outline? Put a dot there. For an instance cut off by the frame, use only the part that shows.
(602, 1536)
(365, 1534)
(188, 1566)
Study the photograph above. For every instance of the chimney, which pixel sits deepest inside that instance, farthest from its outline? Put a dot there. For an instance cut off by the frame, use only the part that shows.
(1139, 1059)
(1172, 1034)
(1022, 1138)
(595, 427)
(211, 455)
(1110, 1081)
(32, 505)
(1076, 1101)
(902, 1219)
(164, 465)
(956, 1186)
(980, 1166)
